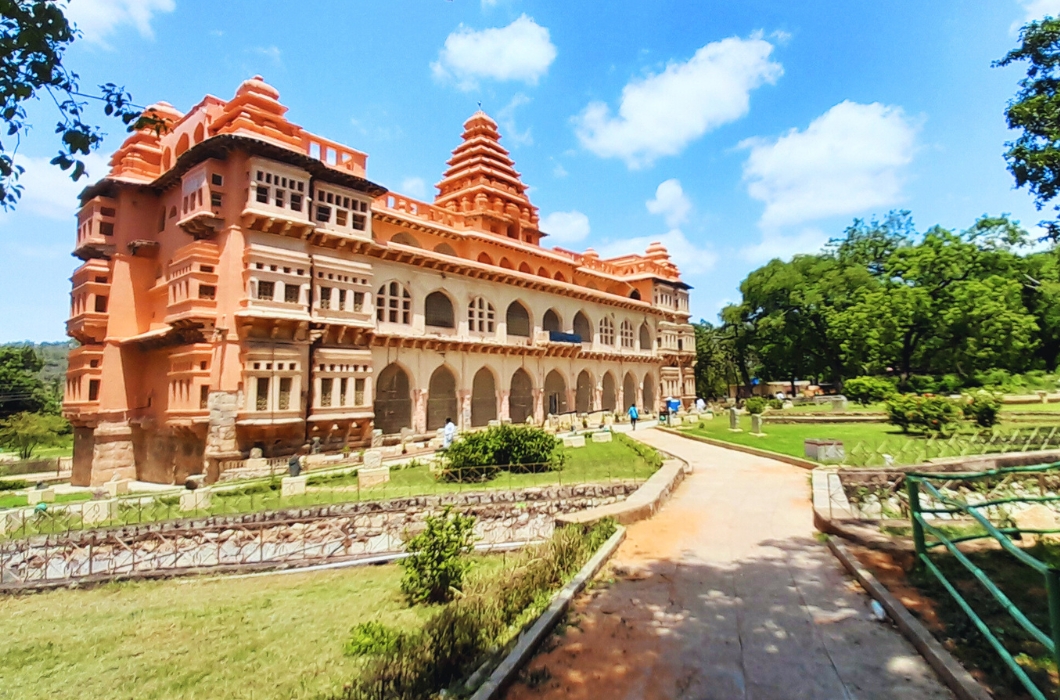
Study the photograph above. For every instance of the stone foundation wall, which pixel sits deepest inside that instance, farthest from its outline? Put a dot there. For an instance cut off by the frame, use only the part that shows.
(112, 453)
(284, 538)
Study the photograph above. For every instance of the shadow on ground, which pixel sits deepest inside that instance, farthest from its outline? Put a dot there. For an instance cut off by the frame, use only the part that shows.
(783, 623)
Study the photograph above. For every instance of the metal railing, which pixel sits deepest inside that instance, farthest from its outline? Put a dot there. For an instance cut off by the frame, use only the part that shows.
(948, 506)
(917, 450)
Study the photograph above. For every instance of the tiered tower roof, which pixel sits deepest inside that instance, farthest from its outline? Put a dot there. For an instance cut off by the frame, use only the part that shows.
(481, 179)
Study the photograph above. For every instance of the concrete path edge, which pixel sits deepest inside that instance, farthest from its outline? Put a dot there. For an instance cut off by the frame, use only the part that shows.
(949, 669)
(787, 459)
(528, 643)
(643, 503)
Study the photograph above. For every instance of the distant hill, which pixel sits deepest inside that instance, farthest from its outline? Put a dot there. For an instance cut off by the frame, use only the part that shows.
(54, 355)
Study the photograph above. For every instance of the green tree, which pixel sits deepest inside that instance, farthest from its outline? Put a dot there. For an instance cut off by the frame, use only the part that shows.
(1034, 156)
(715, 366)
(34, 37)
(25, 432)
(21, 387)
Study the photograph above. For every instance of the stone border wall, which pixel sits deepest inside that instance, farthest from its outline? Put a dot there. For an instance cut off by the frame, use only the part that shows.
(278, 539)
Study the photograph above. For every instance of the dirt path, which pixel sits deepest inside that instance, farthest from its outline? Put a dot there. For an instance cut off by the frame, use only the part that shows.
(725, 594)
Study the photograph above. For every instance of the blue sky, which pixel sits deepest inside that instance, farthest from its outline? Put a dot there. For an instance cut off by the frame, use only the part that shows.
(733, 132)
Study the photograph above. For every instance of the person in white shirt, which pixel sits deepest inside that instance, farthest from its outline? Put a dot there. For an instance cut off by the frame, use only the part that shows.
(448, 433)
(701, 405)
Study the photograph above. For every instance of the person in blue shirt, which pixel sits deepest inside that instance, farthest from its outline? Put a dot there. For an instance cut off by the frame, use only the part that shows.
(633, 415)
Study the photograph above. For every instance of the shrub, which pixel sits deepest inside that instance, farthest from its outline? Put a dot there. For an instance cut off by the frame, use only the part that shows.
(866, 390)
(776, 404)
(950, 384)
(455, 641)
(922, 384)
(479, 456)
(371, 638)
(648, 454)
(997, 378)
(931, 414)
(982, 407)
(13, 485)
(437, 560)
(755, 405)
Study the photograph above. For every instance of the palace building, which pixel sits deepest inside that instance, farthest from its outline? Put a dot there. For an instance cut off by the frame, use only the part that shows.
(246, 285)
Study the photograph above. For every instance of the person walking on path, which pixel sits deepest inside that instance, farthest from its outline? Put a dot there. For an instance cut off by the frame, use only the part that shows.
(633, 415)
(448, 433)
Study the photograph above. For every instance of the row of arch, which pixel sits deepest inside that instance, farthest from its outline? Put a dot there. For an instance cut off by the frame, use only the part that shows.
(394, 402)
(485, 258)
(394, 304)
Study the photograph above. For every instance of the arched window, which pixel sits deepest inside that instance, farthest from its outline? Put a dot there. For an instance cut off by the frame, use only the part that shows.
(199, 132)
(583, 395)
(560, 277)
(523, 267)
(438, 311)
(521, 397)
(634, 295)
(182, 144)
(441, 398)
(483, 398)
(555, 393)
(542, 272)
(583, 328)
(393, 401)
(609, 397)
(518, 320)
(551, 322)
(483, 258)
(649, 393)
(607, 331)
(405, 239)
(506, 263)
(626, 335)
(480, 316)
(445, 249)
(645, 337)
(629, 391)
(393, 304)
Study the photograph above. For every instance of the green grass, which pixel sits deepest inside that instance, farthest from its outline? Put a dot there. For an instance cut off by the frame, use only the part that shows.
(865, 443)
(14, 501)
(237, 638)
(594, 463)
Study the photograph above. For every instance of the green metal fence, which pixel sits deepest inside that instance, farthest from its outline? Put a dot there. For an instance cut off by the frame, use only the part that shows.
(920, 485)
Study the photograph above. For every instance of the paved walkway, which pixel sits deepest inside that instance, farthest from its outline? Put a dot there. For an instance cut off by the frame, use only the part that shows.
(726, 595)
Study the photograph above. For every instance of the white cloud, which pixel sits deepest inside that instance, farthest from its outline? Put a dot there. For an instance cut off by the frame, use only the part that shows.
(522, 51)
(559, 171)
(689, 258)
(848, 160)
(272, 53)
(49, 192)
(414, 187)
(98, 19)
(506, 116)
(565, 227)
(779, 244)
(663, 113)
(1037, 9)
(671, 202)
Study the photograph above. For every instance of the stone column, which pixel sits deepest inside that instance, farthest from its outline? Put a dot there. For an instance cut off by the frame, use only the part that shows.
(503, 408)
(221, 442)
(419, 410)
(112, 453)
(598, 398)
(539, 406)
(463, 402)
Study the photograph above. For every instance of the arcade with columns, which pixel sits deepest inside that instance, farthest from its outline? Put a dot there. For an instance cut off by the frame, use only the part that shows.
(245, 285)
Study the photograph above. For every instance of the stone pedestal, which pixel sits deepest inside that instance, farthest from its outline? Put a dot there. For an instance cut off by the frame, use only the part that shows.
(788, 404)
(366, 478)
(95, 512)
(292, 486)
(734, 420)
(117, 487)
(602, 437)
(199, 499)
(824, 450)
(377, 438)
(575, 441)
(839, 405)
(756, 425)
(35, 496)
(373, 459)
(112, 453)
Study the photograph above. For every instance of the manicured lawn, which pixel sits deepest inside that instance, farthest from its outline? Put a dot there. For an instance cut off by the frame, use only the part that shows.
(12, 501)
(866, 443)
(594, 463)
(277, 636)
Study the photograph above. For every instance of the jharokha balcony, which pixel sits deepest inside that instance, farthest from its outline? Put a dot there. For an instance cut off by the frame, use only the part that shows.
(88, 302)
(192, 281)
(95, 229)
(83, 377)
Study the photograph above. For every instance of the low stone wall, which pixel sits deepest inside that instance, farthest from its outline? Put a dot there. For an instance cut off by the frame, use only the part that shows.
(284, 538)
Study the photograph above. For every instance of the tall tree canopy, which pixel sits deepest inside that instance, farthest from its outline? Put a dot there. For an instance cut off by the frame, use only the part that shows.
(34, 37)
(885, 299)
(1034, 157)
